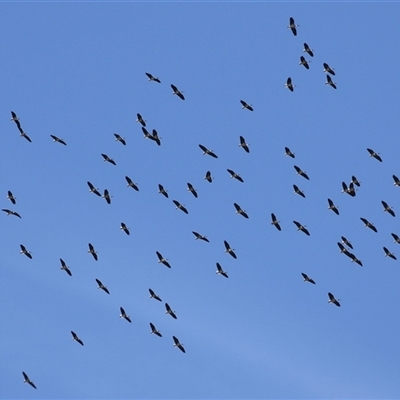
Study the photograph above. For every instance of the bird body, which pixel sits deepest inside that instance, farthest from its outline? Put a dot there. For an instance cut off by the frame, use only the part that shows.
(243, 144)
(201, 237)
(131, 183)
(169, 311)
(26, 378)
(162, 260)
(177, 92)
(208, 176)
(307, 279)
(58, 140)
(124, 315)
(11, 197)
(308, 50)
(247, 106)
(152, 78)
(240, 211)
(292, 26)
(154, 296)
(396, 181)
(300, 172)
(387, 208)
(65, 267)
(92, 189)
(304, 62)
(372, 153)
(298, 191)
(275, 222)
(330, 82)
(140, 120)
(229, 250)
(120, 139)
(124, 228)
(368, 224)
(192, 190)
(178, 344)
(162, 190)
(302, 228)
(25, 251)
(333, 300)
(154, 330)
(107, 196)
(10, 212)
(289, 84)
(332, 207)
(346, 242)
(76, 338)
(92, 251)
(180, 206)
(288, 153)
(235, 175)
(388, 253)
(220, 271)
(207, 151)
(101, 286)
(328, 69)
(108, 159)
(396, 238)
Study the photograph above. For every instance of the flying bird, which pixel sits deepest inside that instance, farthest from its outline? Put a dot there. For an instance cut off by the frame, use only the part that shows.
(26, 378)
(396, 181)
(308, 50)
(389, 254)
(206, 151)
(131, 183)
(333, 207)
(169, 311)
(346, 242)
(192, 190)
(240, 211)
(180, 206)
(245, 105)
(292, 26)
(10, 212)
(11, 197)
(101, 286)
(154, 296)
(154, 330)
(229, 250)
(76, 338)
(201, 237)
(146, 133)
(387, 208)
(300, 172)
(349, 189)
(396, 238)
(333, 300)
(368, 224)
(119, 138)
(220, 271)
(355, 181)
(162, 190)
(208, 176)
(92, 251)
(152, 78)
(58, 140)
(155, 137)
(307, 279)
(235, 175)
(124, 228)
(330, 82)
(328, 69)
(24, 135)
(124, 315)
(140, 120)
(178, 344)
(92, 189)
(298, 191)
(64, 266)
(177, 92)
(304, 62)
(302, 228)
(163, 260)
(25, 251)
(16, 120)
(107, 196)
(375, 155)
(289, 84)
(288, 153)
(108, 159)
(243, 144)
(344, 250)
(275, 222)
(355, 259)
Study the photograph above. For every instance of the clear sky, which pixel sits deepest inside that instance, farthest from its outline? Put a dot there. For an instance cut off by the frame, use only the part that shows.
(77, 71)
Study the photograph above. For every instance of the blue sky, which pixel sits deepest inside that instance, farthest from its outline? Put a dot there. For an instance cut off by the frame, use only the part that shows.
(77, 71)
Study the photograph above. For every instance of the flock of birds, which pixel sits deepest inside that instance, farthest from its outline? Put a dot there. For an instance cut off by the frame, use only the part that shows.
(345, 245)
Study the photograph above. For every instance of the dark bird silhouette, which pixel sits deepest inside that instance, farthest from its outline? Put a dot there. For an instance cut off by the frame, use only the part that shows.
(163, 260)
(24, 135)
(289, 84)
(201, 237)
(300, 172)
(26, 378)
(240, 211)
(304, 62)
(330, 82)
(288, 153)
(247, 106)
(396, 238)
(350, 190)
(16, 120)
(124, 228)
(396, 181)
(162, 190)
(375, 155)
(124, 315)
(64, 267)
(344, 250)
(76, 338)
(101, 286)
(169, 311)
(177, 92)
(180, 206)
(328, 69)
(207, 151)
(140, 120)
(220, 271)
(368, 224)
(387, 208)
(229, 250)
(154, 330)
(58, 140)
(25, 251)
(208, 176)
(92, 189)
(292, 26)
(107, 196)
(308, 50)
(307, 279)
(355, 259)
(333, 300)
(389, 254)
(192, 190)
(154, 136)
(178, 344)
(333, 207)
(152, 78)
(146, 133)
(235, 175)
(275, 222)
(298, 191)
(108, 159)
(92, 251)
(346, 242)
(302, 228)
(10, 212)
(355, 181)
(119, 138)
(11, 197)
(243, 144)
(131, 183)
(154, 296)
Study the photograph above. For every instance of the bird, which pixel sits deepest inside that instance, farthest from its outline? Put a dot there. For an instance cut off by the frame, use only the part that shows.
(355, 259)
(10, 212)
(180, 206)
(289, 84)
(349, 189)
(240, 211)
(308, 50)
(178, 344)
(247, 106)
(101, 286)
(396, 181)
(11, 197)
(298, 191)
(16, 120)
(24, 135)
(330, 82)
(108, 159)
(169, 311)
(154, 296)
(162, 260)
(243, 144)
(162, 190)
(375, 155)
(140, 120)
(288, 153)
(368, 224)
(92, 189)
(25, 251)
(124, 228)
(387, 208)
(328, 69)
(292, 26)
(155, 137)
(76, 338)
(192, 190)
(229, 250)
(64, 266)
(389, 254)
(201, 237)
(124, 315)
(26, 377)
(57, 139)
(355, 181)
(307, 279)
(220, 271)
(275, 222)
(131, 183)
(333, 207)
(333, 300)
(304, 62)
(300, 172)
(235, 175)
(206, 151)
(154, 330)
(92, 251)
(107, 196)
(344, 250)
(152, 78)
(346, 242)
(146, 133)
(208, 176)
(177, 92)
(396, 238)
(119, 138)
(302, 228)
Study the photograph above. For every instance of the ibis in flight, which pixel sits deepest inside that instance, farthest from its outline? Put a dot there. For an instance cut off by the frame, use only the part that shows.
(177, 92)
(235, 175)
(192, 190)
(308, 50)
(247, 106)
(243, 144)
(387, 208)
(25, 251)
(152, 78)
(92, 189)
(396, 238)
(107, 196)
(388, 253)
(330, 82)
(180, 206)
(229, 250)
(178, 344)
(120, 139)
(333, 300)
(328, 69)
(124, 228)
(108, 159)
(64, 267)
(131, 183)
(11, 197)
(76, 338)
(275, 222)
(396, 181)
(162, 190)
(27, 380)
(298, 191)
(300, 172)
(289, 84)
(333, 207)
(288, 153)
(124, 315)
(10, 212)
(58, 140)
(169, 311)
(307, 278)
(292, 26)
(346, 242)
(162, 260)
(208, 176)
(154, 330)
(304, 62)
(101, 286)
(368, 224)
(240, 211)
(207, 151)
(220, 271)
(92, 251)
(153, 295)
(201, 237)
(372, 153)
(355, 181)
(302, 228)
(140, 120)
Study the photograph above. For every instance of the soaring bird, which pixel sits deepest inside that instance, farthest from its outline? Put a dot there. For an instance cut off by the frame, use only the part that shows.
(389, 254)
(180, 206)
(396, 238)
(330, 82)
(92, 251)
(101, 286)
(124, 228)
(162, 190)
(243, 144)
(349, 189)
(131, 183)
(245, 105)
(288, 153)
(119, 138)
(307, 279)
(240, 211)
(292, 26)
(229, 250)
(16, 120)
(140, 120)
(25, 251)
(207, 151)
(163, 260)
(289, 84)
(355, 259)
(346, 242)
(24, 135)
(387, 208)
(153, 295)
(298, 191)
(177, 92)
(275, 222)
(64, 266)
(208, 176)
(308, 50)
(154, 136)
(304, 62)
(235, 175)
(201, 237)
(146, 133)
(154, 330)
(26, 377)
(355, 181)
(220, 271)
(178, 344)
(107, 196)
(169, 311)
(92, 189)
(11, 197)
(192, 190)
(302, 228)
(76, 338)
(328, 69)
(375, 155)
(368, 224)
(124, 315)
(333, 300)
(344, 250)
(333, 207)
(10, 212)
(300, 172)
(152, 78)
(396, 181)
(58, 140)
(108, 159)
